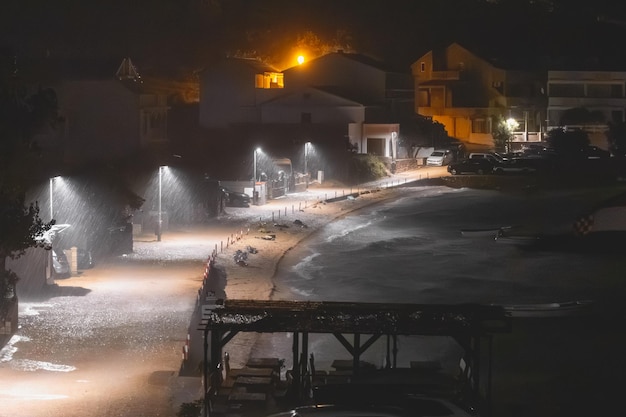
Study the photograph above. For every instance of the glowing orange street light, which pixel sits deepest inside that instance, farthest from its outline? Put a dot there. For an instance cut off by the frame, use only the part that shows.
(300, 59)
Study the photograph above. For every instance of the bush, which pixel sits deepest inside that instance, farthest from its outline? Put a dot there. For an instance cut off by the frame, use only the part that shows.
(193, 409)
(364, 168)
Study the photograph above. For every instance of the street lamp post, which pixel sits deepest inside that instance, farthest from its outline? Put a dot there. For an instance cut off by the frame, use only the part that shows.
(306, 157)
(256, 152)
(160, 215)
(51, 209)
(51, 191)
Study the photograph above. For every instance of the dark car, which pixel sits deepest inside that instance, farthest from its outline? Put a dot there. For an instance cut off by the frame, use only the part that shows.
(518, 166)
(235, 199)
(471, 166)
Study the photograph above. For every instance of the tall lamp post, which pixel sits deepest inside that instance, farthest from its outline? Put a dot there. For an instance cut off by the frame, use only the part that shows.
(160, 215)
(256, 152)
(306, 157)
(51, 187)
(51, 209)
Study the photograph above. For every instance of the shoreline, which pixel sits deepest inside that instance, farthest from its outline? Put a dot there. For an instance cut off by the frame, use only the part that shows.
(257, 279)
(287, 237)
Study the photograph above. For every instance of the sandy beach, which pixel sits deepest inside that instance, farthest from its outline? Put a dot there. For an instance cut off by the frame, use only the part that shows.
(291, 222)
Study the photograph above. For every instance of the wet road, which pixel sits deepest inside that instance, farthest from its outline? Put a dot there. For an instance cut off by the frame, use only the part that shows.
(108, 342)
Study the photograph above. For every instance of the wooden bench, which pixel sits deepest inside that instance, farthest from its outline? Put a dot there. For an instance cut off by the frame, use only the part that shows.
(263, 372)
(254, 383)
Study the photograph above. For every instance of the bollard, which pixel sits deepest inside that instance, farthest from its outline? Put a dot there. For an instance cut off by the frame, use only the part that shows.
(285, 211)
(272, 217)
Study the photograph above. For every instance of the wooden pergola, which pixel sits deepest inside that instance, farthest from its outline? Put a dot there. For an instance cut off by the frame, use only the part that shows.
(469, 324)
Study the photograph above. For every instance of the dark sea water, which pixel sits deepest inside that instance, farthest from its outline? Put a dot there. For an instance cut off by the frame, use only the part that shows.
(411, 251)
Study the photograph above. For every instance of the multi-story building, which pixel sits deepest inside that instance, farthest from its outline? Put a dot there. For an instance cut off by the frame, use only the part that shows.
(110, 116)
(334, 97)
(469, 94)
(587, 100)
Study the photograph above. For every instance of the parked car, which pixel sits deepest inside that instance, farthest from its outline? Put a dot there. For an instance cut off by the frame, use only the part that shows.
(61, 266)
(58, 239)
(516, 166)
(490, 156)
(473, 166)
(440, 157)
(593, 152)
(384, 397)
(235, 199)
(427, 408)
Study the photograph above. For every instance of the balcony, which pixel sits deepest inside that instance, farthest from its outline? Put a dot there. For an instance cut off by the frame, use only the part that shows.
(446, 75)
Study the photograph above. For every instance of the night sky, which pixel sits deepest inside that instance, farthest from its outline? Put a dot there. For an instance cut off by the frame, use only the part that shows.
(178, 36)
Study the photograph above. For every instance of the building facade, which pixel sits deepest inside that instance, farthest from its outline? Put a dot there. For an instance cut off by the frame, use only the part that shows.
(469, 95)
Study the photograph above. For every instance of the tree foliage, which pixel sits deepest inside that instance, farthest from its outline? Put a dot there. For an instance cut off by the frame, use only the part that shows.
(502, 134)
(581, 116)
(20, 228)
(21, 115)
(617, 138)
(421, 131)
(569, 144)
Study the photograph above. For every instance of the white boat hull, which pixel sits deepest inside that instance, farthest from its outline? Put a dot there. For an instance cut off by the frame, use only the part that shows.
(570, 308)
(492, 232)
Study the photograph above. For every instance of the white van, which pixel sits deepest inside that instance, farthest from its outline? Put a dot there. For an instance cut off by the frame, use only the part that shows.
(440, 157)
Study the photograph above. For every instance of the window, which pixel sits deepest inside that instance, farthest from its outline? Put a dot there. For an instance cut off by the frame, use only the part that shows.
(599, 90)
(479, 126)
(305, 117)
(566, 90)
(422, 66)
(423, 98)
(617, 90)
(269, 80)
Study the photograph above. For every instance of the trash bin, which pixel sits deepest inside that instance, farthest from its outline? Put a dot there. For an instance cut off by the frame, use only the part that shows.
(255, 198)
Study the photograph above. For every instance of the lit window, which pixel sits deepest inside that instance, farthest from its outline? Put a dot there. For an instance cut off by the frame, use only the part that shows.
(479, 126)
(422, 66)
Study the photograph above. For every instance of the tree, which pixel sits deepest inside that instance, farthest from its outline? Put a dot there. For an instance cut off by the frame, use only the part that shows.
(581, 116)
(502, 134)
(421, 131)
(617, 138)
(568, 144)
(20, 225)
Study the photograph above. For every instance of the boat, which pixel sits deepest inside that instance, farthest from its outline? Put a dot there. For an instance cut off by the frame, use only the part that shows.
(519, 240)
(492, 232)
(562, 309)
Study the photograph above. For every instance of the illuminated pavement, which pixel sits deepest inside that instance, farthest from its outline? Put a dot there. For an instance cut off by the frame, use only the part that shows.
(109, 341)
